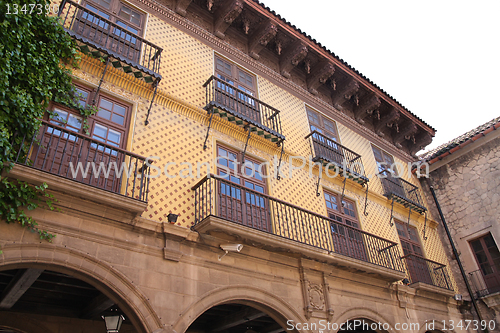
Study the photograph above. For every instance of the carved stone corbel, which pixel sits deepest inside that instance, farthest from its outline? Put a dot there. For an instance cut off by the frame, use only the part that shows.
(366, 108)
(291, 57)
(344, 92)
(405, 132)
(181, 6)
(319, 75)
(226, 15)
(386, 120)
(261, 37)
(326, 292)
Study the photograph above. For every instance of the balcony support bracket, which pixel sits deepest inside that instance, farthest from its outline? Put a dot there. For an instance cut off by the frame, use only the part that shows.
(278, 177)
(425, 226)
(366, 200)
(146, 122)
(211, 111)
(245, 150)
(343, 189)
(408, 223)
(100, 82)
(391, 223)
(317, 185)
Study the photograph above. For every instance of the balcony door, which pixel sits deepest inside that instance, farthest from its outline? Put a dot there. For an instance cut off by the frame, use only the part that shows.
(112, 25)
(346, 237)
(242, 197)
(412, 250)
(238, 92)
(107, 130)
(390, 180)
(325, 145)
(488, 259)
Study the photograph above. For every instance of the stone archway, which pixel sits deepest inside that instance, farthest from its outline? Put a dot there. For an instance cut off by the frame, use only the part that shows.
(88, 269)
(249, 298)
(366, 319)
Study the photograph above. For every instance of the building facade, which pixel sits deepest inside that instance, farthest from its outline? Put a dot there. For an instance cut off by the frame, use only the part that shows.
(173, 234)
(465, 175)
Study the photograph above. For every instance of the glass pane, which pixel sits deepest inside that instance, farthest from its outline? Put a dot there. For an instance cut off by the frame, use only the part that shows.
(106, 104)
(118, 119)
(249, 185)
(476, 245)
(100, 130)
(114, 136)
(60, 116)
(222, 152)
(104, 114)
(119, 109)
(75, 121)
(488, 240)
(259, 188)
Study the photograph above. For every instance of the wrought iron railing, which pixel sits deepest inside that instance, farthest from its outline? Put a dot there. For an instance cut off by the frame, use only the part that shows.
(332, 153)
(62, 152)
(243, 109)
(484, 285)
(402, 191)
(102, 35)
(216, 196)
(427, 271)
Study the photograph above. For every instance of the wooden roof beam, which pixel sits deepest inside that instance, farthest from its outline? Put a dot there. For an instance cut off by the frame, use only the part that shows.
(96, 306)
(387, 120)
(292, 56)
(344, 92)
(19, 284)
(366, 108)
(238, 318)
(226, 15)
(261, 37)
(181, 6)
(319, 75)
(405, 133)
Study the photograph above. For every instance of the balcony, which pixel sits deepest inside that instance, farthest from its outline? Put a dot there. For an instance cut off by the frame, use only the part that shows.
(262, 219)
(58, 151)
(484, 285)
(332, 154)
(101, 38)
(428, 272)
(243, 109)
(401, 191)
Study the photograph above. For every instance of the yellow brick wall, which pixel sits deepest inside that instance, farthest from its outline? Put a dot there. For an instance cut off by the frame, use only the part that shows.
(178, 126)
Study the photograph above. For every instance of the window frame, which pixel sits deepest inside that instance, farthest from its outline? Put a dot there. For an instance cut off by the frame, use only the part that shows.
(341, 212)
(235, 76)
(384, 155)
(403, 227)
(321, 124)
(485, 249)
(114, 14)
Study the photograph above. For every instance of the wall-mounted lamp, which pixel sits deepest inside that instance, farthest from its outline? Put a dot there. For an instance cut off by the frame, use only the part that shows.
(230, 248)
(172, 218)
(113, 323)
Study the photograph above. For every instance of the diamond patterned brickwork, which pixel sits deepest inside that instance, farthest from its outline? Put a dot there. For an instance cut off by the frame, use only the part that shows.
(186, 63)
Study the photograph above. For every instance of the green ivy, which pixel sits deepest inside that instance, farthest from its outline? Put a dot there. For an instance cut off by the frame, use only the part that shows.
(35, 54)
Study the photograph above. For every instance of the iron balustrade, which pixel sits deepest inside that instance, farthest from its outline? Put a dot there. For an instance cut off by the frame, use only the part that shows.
(102, 35)
(328, 151)
(243, 109)
(484, 285)
(401, 190)
(427, 271)
(216, 196)
(63, 152)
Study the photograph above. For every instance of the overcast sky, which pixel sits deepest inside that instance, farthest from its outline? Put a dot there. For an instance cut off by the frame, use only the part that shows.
(440, 59)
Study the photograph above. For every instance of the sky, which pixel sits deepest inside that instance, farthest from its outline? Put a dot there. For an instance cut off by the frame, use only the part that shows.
(440, 59)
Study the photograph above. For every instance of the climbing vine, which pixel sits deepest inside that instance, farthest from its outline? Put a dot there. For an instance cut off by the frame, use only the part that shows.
(36, 55)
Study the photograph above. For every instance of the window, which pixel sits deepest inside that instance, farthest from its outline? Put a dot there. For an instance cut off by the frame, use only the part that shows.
(488, 259)
(325, 145)
(120, 38)
(322, 125)
(108, 129)
(245, 203)
(239, 99)
(384, 160)
(412, 250)
(346, 240)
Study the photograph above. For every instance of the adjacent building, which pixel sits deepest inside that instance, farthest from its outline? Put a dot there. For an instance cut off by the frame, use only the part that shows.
(465, 174)
(157, 220)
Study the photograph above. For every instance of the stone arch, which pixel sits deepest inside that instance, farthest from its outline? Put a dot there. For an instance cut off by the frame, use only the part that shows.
(255, 297)
(364, 313)
(101, 275)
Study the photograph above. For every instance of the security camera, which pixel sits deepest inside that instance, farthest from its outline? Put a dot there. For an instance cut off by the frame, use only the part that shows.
(232, 247)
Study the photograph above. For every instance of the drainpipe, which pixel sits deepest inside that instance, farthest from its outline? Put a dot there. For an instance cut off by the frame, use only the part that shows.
(455, 253)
